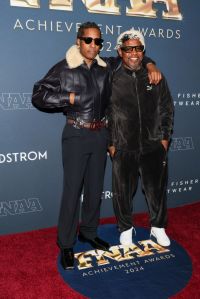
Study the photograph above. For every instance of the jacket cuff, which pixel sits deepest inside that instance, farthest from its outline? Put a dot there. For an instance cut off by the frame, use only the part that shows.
(65, 99)
(147, 60)
(166, 136)
(77, 99)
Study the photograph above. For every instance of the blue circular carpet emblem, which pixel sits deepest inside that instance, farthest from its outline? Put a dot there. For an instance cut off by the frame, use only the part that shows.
(142, 270)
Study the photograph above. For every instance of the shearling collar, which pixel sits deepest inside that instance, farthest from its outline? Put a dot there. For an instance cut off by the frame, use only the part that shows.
(75, 59)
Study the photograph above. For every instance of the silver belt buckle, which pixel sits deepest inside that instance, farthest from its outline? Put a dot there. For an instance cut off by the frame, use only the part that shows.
(78, 123)
(75, 125)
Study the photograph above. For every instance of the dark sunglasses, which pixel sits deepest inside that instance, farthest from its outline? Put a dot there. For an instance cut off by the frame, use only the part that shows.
(88, 40)
(129, 49)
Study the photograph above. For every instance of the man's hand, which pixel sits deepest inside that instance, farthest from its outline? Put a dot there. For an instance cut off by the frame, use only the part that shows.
(165, 143)
(153, 73)
(111, 150)
(71, 98)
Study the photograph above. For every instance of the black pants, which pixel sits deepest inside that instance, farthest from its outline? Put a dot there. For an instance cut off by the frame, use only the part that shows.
(152, 168)
(84, 157)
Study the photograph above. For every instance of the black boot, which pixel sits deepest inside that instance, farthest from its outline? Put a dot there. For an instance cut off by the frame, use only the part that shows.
(67, 258)
(96, 242)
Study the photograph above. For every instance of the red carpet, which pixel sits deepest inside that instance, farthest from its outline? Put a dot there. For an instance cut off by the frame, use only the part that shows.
(28, 261)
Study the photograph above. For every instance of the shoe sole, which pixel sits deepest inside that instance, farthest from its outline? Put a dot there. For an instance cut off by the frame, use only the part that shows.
(152, 235)
(68, 268)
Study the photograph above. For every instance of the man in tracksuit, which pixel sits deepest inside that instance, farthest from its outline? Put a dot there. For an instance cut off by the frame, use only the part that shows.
(141, 120)
(80, 86)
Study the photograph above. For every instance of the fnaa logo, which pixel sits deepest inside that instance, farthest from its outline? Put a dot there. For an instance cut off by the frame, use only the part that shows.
(128, 271)
(182, 144)
(22, 206)
(15, 101)
(137, 8)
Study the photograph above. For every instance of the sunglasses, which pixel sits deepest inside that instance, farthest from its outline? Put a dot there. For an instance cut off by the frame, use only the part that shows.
(129, 49)
(88, 40)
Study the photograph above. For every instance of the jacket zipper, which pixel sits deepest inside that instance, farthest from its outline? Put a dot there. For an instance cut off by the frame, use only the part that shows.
(139, 111)
(93, 78)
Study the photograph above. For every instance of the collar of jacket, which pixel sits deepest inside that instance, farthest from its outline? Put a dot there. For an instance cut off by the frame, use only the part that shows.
(75, 59)
(132, 72)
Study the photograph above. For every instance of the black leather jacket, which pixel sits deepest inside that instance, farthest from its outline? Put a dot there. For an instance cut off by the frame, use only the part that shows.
(92, 86)
(141, 115)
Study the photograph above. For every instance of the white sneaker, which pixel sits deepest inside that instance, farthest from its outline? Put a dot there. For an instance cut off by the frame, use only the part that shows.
(160, 235)
(126, 237)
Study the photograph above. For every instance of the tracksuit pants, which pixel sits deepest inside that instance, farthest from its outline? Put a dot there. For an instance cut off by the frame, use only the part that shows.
(151, 167)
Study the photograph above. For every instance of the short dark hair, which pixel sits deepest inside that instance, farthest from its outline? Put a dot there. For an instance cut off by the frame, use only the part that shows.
(87, 25)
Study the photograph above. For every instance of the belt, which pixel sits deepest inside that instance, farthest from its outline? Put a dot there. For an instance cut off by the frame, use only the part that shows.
(93, 126)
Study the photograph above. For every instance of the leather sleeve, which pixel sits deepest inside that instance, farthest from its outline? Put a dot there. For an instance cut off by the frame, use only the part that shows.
(48, 94)
(147, 60)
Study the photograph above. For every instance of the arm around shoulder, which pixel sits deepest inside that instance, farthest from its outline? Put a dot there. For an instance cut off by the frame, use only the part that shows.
(154, 73)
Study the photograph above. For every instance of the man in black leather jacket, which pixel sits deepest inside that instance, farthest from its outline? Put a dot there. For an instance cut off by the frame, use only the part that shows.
(141, 120)
(80, 86)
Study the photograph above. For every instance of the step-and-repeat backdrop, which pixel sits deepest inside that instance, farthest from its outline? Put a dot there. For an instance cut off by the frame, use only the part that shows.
(34, 35)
